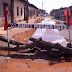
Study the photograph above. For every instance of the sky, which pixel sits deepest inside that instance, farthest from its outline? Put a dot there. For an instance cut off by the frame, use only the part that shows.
(48, 5)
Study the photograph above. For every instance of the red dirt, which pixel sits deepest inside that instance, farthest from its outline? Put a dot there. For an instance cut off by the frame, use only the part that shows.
(25, 65)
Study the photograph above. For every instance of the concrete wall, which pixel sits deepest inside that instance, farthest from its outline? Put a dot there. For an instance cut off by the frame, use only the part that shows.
(32, 12)
(2, 19)
(19, 4)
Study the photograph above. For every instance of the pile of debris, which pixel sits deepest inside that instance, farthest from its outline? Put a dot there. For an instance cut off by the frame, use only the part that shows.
(4, 59)
(38, 46)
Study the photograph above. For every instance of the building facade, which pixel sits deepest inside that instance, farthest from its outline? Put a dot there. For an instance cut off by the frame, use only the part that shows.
(41, 12)
(17, 11)
(59, 13)
(33, 11)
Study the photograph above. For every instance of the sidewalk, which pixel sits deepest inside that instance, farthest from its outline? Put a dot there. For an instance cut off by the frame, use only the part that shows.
(30, 21)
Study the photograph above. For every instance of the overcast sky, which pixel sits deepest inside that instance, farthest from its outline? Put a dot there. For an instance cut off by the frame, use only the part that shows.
(48, 5)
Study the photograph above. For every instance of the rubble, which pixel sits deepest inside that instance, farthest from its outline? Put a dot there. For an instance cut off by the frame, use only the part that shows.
(4, 59)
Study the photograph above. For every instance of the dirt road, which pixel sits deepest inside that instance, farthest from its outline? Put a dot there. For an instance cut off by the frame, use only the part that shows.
(40, 64)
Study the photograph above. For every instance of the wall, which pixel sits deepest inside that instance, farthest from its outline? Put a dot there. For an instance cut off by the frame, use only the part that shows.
(32, 12)
(58, 14)
(20, 4)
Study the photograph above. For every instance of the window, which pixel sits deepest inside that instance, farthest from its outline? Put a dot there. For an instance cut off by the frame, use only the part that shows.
(17, 11)
(21, 11)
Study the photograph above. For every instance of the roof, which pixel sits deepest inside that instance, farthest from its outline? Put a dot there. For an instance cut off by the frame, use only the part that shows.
(70, 7)
(29, 4)
(23, 0)
(33, 6)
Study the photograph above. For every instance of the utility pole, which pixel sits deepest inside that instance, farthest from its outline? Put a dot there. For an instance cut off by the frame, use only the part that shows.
(42, 4)
(42, 7)
(42, 14)
(71, 4)
(27, 15)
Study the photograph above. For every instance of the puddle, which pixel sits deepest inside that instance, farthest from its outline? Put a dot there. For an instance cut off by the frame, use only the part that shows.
(24, 36)
(47, 21)
(48, 35)
(36, 33)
